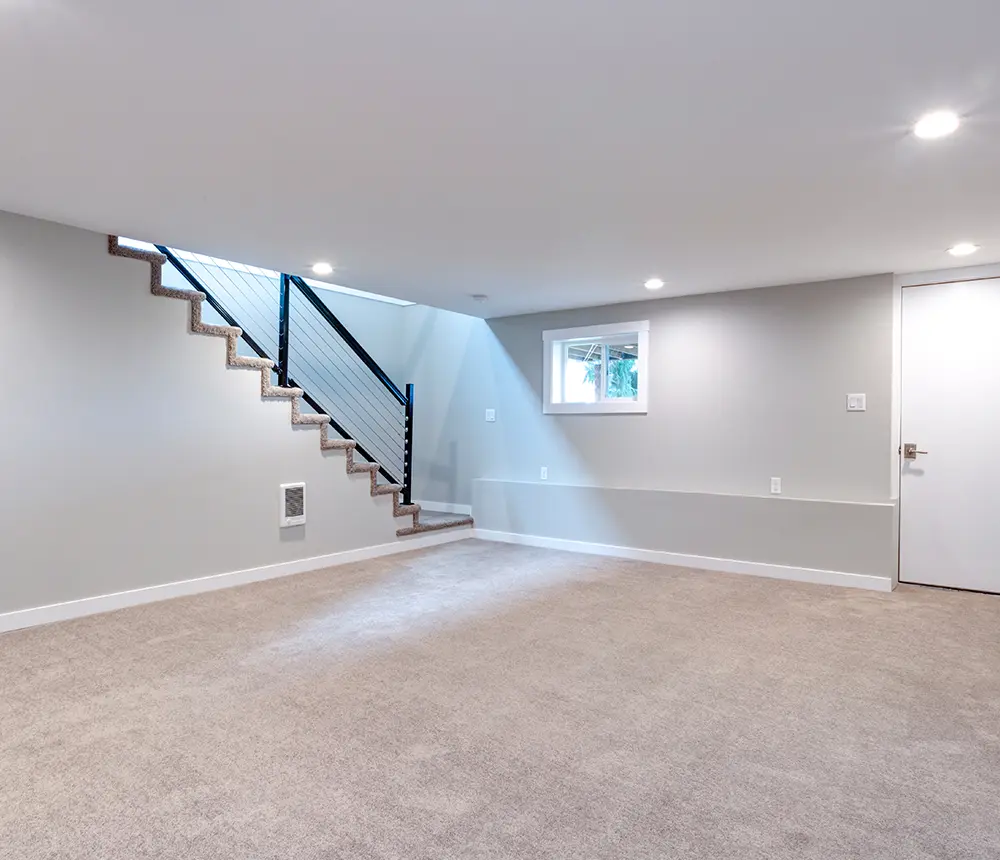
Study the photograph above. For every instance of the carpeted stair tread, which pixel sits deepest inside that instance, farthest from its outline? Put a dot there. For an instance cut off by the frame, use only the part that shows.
(250, 362)
(269, 390)
(436, 526)
(183, 295)
(117, 250)
(338, 444)
(300, 417)
(217, 330)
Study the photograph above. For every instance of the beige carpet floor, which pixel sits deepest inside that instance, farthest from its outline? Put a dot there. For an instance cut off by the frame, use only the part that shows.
(485, 701)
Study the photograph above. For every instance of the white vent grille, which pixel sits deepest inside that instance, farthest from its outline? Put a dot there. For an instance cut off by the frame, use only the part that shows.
(293, 505)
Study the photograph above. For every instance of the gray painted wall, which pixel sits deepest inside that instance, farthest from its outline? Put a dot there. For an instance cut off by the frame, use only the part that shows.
(844, 537)
(138, 458)
(743, 386)
(378, 326)
(132, 456)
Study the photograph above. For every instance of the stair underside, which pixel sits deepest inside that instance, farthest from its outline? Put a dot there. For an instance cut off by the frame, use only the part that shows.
(264, 366)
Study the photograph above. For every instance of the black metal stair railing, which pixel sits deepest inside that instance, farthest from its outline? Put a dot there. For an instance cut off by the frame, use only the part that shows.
(324, 358)
(285, 321)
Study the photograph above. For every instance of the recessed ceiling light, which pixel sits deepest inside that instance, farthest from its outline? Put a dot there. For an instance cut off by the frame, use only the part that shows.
(654, 284)
(963, 249)
(939, 123)
(322, 269)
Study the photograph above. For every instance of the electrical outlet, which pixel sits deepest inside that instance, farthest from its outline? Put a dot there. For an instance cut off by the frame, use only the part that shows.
(491, 415)
(776, 486)
(545, 473)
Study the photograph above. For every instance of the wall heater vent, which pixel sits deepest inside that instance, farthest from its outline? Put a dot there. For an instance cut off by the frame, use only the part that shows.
(293, 505)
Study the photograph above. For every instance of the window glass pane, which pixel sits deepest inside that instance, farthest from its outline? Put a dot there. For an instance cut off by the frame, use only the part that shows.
(623, 372)
(583, 373)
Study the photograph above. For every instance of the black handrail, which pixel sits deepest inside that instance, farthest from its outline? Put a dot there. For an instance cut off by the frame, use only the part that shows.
(349, 338)
(283, 341)
(408, 447)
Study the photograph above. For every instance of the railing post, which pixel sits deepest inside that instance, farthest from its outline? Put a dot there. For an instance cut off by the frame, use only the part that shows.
(283, 314)
(408, 447)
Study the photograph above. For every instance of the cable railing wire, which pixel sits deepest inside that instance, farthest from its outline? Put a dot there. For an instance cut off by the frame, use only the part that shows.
(360, 388)
(351, 418)
(252, 314)
(250, 299)
(320, 375)
(392, 422)
(320, 357)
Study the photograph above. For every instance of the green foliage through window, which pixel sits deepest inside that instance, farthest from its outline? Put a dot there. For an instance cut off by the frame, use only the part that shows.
(623, 376)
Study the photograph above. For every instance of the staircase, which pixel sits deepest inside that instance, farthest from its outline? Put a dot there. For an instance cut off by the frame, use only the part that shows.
(334, 350)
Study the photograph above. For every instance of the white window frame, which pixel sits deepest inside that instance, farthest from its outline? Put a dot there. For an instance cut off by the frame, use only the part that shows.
(553, 345)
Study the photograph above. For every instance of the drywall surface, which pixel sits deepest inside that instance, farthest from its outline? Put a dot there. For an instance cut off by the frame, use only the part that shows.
(846, 537)
(135, 457)
(743, 387)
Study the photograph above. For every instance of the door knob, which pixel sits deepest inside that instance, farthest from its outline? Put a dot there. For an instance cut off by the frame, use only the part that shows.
(910, 451)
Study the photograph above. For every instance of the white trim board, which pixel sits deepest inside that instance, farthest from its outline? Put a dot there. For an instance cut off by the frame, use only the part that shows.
(445, 507)
(985, 271)
(35, 616)
(721, 565)
(595, 331)
(775, 499)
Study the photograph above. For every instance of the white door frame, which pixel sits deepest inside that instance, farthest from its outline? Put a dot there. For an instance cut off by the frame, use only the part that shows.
(938, 277)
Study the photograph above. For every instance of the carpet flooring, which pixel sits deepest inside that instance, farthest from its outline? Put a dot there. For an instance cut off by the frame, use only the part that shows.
(489, 701)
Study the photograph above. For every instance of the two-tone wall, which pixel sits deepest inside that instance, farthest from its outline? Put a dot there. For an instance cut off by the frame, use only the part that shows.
(744, 386)
(132, 458)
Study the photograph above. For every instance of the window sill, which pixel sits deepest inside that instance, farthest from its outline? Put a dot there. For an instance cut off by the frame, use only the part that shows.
(624, 407)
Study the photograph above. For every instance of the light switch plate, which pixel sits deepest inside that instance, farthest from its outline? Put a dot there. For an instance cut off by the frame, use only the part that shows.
(776, 486)
(491, 415)
(856, 403)
(545, 473)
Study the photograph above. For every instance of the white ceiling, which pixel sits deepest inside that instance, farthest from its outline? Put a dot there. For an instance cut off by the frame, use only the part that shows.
(549, 153)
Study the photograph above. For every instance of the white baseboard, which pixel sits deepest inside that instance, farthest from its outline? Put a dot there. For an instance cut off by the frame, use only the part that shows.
(122, 599)
(446, 507)
(722, 565)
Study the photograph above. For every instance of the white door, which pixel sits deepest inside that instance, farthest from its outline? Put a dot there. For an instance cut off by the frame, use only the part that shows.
(950, 495)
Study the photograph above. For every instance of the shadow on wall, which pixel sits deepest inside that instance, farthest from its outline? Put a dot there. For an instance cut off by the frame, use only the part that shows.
(529, 439)
(461, 368)
(445, 475)
(440, 354)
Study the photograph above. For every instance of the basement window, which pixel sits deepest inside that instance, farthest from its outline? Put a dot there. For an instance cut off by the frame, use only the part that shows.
(596, 369)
